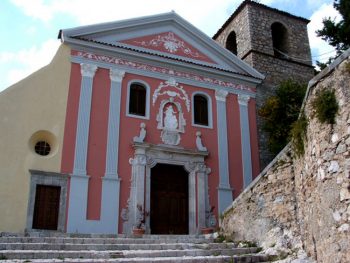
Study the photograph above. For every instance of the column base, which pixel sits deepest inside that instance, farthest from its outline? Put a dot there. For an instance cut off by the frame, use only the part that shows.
(225, 197)
(77, 222)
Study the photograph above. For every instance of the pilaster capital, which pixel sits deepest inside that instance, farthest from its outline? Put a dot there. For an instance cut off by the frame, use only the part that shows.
(138, 160)
(203, 169)
(88, 70)
(221, 95)
(116, 75)
(243, 100)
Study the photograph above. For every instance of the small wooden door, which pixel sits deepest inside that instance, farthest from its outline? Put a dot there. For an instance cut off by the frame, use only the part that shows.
(169, 200)
(46, 207)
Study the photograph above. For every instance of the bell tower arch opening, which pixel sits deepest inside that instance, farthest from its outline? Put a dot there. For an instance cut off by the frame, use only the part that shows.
(231, 42)
(279, 39)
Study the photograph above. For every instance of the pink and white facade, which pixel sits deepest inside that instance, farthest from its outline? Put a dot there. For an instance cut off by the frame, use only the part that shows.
(111, 152)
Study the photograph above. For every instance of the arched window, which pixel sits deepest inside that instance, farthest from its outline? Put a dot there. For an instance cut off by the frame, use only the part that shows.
(201, 110)
(279, 39)
(137, 100)
(231, 42)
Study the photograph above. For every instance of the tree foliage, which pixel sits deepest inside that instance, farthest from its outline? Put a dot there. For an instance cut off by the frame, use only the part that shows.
(337, 34)
(298, 134)
(280, 111)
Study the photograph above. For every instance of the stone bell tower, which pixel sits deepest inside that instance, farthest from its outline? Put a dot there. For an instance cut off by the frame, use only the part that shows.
(275, 43)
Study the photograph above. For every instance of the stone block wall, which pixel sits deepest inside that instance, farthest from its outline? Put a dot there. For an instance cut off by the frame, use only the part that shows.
(299, 205)
(276, 70)
(252, 24)
(240, 25)
(261, 20)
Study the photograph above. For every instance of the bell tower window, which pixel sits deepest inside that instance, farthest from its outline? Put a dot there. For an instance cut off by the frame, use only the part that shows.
(231, 42)
(279, 40)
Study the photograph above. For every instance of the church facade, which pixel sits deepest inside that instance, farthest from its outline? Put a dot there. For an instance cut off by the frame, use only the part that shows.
(144, 122)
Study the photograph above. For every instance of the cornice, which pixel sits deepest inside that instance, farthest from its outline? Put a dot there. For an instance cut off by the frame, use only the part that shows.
(163, 71)
(146, 58)
(171, 19)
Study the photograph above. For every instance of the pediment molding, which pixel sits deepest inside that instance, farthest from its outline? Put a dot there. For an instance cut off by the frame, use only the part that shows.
(111, 35)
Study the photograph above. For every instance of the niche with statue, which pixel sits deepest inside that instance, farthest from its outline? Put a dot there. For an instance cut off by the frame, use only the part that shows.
(171, 121)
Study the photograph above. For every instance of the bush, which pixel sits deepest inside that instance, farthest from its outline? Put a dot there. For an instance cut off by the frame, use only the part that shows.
(298, 135)
(325, 106)
(347, 67)
(280, 111)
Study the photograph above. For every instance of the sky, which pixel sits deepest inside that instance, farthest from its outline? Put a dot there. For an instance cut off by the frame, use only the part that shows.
(29, 28)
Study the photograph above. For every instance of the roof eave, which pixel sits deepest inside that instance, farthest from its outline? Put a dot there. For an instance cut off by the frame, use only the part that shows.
(83, 44)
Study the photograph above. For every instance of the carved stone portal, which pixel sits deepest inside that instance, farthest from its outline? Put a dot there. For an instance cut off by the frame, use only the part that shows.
(147, 156)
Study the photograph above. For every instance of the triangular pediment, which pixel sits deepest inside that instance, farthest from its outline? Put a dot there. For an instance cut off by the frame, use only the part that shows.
(170, 43)
(161, 36)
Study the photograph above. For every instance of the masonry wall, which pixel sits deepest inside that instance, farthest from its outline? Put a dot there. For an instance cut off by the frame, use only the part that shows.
(303, 203)
(252, 25)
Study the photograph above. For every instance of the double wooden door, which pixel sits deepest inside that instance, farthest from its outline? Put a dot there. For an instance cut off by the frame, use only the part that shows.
(169, 200)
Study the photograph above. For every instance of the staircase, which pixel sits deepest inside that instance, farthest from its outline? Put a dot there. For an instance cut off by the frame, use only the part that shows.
(108, 248)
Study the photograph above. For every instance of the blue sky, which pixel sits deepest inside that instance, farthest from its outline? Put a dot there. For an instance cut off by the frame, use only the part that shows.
(29, 28)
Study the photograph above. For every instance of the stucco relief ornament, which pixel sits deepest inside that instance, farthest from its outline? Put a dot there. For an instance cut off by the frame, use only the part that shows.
(170, 134)
(179, 93)
(170, 43)
(171, 121)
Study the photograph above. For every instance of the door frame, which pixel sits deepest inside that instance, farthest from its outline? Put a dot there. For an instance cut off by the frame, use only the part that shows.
(49, 179)
(146, 156)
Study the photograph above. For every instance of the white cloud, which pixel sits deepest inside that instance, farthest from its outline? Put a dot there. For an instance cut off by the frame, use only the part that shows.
(209, 18)
(319, 46)
(317, 3)
(90, 12)
(35, 8)
(18, 65)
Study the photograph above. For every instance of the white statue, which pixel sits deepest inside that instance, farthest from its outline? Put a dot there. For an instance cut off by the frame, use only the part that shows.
(142, 135)
(170, 120)
(199, 143)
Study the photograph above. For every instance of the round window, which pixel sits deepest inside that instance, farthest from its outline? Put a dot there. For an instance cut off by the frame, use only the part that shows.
(42, 148)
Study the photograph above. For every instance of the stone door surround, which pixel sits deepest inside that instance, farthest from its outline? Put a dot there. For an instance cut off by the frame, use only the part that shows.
(49, 179)
(145, 158)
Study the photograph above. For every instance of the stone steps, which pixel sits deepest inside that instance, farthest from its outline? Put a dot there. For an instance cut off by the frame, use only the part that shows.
(69, 248)
(100, 240)
(107, 246)
(208, 259)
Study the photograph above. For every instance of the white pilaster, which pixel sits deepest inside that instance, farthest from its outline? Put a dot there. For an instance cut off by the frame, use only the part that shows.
(148, 199)
(79, 180)
(116, 77)
(137, 195)
(224, 189)
(108, 223)
(243, 101)
(192, 202)
(82, 135)
(201, 195)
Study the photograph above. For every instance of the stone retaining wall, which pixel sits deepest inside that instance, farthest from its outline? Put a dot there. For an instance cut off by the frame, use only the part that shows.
(303, 204)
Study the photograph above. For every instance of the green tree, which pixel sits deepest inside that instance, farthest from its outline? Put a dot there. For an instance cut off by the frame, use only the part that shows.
(280, 111)
(337, 34)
